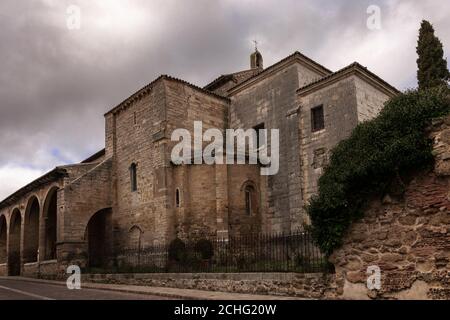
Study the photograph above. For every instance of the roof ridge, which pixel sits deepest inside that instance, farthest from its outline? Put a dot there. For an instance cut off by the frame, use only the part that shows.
(140, 92)
(144, 90)
(95, 155)
(45, 178)
(225, 76)
(196, 87)
(354, 64)
(296, 53)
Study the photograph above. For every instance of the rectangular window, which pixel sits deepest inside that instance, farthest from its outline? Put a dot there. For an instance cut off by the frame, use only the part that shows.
(317, 119)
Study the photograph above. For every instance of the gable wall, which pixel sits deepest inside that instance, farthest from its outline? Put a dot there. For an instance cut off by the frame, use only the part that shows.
(340, 115)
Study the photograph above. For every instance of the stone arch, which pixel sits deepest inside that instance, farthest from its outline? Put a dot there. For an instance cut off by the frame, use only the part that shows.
(135, 237)
(50, 223)
(31, 230)
(98, 236)
(249, 183)
(3, 236)
(245, 217)
(15, 227)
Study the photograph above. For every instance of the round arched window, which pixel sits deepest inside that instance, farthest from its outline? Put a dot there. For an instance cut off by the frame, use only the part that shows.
(250, 201)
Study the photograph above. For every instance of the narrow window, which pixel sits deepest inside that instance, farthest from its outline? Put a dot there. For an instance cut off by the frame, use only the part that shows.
(133, 177)
(317, 119)
(134, 118)
(249, 200)
(177, 198)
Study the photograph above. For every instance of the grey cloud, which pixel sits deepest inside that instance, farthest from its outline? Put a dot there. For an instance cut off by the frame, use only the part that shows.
(55, 84)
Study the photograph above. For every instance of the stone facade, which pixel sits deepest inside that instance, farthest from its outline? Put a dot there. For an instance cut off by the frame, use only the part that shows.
(406, 235)
(348, 97)
(269, 102)
(131, 194)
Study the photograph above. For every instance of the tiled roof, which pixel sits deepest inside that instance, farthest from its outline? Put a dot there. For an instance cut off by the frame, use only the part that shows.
(354, 65)
(223, 78)
(140, 93)
(51, 176)
(196, 87)
(236, 76)
(95, 156)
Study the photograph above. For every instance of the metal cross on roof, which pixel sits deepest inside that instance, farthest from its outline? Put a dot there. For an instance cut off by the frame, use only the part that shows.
(256, 45)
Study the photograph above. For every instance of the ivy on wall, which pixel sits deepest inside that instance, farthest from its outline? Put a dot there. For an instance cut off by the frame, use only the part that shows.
(366, 163)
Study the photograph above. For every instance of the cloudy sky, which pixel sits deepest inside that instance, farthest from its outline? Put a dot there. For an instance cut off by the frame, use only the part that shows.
(56, 83)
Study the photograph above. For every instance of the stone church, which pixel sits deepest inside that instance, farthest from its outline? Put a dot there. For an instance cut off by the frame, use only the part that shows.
(130, 193)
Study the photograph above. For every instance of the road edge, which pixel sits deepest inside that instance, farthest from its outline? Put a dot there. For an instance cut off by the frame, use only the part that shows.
(189, 294)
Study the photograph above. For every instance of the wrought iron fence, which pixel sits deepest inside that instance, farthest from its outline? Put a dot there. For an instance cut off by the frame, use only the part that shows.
(278, 252)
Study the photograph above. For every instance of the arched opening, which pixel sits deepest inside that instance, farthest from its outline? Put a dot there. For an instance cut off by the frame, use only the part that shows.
(250, 200)
(135, 238)
(245, 214)
(50, 218)
(98, 235)
(15, 224)
(3, 232)
(31, 232)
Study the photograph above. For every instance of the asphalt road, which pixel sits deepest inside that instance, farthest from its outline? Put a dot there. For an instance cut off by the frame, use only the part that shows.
(25, 290)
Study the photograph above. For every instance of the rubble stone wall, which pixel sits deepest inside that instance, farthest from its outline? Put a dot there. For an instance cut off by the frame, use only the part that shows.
(406, 236)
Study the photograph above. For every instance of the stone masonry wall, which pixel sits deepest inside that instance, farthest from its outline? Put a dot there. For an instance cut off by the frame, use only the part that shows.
(271, 101)
(43, 194)
(141, 134)
(213, 200)
(370, 100)
(132, 134)
(340, 118)
(78, 202)
(407, 237)
(199, 184)
(313, 285)
(346, 103)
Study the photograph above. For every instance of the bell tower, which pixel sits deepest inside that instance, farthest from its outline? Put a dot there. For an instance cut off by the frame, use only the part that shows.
(256, 59)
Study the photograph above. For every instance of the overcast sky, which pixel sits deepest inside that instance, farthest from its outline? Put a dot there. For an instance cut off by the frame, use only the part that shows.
(56, 83)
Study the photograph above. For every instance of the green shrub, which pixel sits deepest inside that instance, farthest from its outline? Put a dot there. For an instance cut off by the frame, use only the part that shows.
(205, 248)
(177, 249)
(366, 163)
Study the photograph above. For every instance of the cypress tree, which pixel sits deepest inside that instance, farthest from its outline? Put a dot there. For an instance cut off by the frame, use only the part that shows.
(432, 67)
